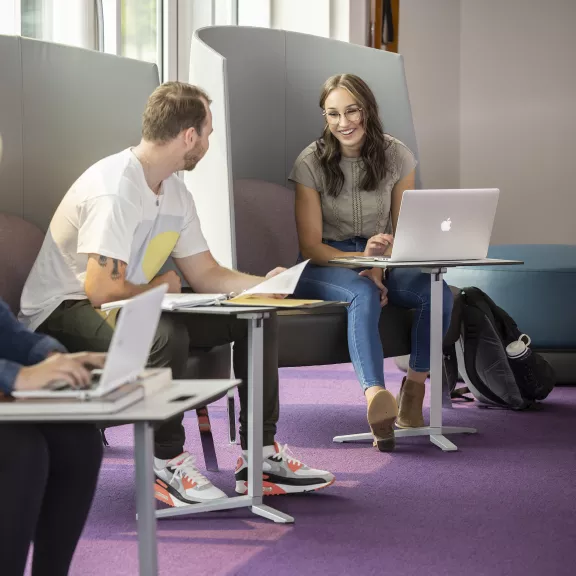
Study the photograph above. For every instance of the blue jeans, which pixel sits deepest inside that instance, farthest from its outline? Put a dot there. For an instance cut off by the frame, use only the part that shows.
(407, 288)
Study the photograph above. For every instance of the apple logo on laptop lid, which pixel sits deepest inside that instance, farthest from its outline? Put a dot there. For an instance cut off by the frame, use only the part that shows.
(446, 225)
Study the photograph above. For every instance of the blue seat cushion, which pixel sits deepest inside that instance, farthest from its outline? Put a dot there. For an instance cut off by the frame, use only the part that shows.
(539, 294)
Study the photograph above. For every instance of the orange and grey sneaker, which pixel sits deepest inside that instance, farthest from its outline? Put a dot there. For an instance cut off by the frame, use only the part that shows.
(179, 482)
(282, 473)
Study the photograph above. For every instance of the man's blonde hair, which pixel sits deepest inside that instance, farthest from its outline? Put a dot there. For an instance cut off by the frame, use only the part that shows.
(173, 107)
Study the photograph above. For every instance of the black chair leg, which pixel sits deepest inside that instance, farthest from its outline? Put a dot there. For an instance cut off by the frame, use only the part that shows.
(231, 417)
(210, 458)
(103, 434)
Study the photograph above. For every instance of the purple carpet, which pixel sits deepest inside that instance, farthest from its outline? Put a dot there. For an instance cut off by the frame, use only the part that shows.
(503, 505)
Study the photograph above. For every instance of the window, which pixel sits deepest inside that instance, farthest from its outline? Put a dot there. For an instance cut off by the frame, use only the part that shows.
(31, 18)
(72, 22)
(141, 36)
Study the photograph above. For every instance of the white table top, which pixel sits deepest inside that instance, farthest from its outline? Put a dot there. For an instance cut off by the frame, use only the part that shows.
(427, 264)
(224, 309)
(178, 397)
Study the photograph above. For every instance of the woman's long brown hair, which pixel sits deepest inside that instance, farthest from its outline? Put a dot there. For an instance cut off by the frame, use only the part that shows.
(373, 151)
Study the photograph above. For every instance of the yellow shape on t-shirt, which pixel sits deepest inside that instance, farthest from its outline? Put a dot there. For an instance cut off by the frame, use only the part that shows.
(158, 251)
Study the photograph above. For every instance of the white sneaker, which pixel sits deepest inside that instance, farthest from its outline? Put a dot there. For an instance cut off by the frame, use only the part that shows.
(179, 482)
(282, 473)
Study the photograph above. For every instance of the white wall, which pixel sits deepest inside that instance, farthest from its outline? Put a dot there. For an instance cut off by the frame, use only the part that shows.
(429, 40)
(518, 115)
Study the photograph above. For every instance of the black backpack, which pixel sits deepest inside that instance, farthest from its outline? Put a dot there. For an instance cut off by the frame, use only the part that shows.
(494, 379)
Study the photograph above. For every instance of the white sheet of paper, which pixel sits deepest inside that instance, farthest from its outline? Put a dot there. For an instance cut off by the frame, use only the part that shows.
(283, 283)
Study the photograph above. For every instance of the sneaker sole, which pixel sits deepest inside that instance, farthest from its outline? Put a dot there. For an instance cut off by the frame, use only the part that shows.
(271, 489)
(169, 496)
(381, 414)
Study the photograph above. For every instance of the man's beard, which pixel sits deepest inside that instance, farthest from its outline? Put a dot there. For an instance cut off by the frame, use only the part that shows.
(192, 158)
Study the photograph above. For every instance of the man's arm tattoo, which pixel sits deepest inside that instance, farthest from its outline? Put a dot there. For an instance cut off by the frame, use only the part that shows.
(115, 275)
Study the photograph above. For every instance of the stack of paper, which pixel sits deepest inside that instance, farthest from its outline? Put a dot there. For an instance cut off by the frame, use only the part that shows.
(284, 284)
(176, 301)
(182, 301)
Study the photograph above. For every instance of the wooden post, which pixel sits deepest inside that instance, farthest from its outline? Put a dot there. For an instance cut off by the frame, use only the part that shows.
(376, 18)
(376, 30)
(393, 46)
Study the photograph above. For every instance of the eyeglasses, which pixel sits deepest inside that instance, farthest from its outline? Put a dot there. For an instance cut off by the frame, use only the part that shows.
(353, 115)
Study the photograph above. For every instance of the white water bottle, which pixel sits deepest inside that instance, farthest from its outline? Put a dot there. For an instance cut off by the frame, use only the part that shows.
(518, 349)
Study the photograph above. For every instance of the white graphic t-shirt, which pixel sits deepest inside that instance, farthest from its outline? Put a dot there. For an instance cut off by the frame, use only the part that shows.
(110, 211)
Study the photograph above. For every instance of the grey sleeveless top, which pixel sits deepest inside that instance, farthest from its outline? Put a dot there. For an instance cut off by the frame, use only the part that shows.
(355, 212)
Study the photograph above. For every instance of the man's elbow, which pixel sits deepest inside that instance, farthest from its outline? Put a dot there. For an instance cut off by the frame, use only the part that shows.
(98, 295)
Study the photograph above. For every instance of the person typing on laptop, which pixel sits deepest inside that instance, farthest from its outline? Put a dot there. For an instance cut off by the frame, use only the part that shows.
(349, 187)
(108, 240)
(48, 472)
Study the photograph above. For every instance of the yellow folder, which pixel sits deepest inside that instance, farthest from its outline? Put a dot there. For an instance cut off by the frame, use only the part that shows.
(249, 300)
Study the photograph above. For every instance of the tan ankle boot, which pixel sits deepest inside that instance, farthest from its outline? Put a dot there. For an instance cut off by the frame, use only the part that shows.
(381, 414)
(410, 400)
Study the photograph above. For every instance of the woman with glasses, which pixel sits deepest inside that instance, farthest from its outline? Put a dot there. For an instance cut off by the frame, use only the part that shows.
(349, 186)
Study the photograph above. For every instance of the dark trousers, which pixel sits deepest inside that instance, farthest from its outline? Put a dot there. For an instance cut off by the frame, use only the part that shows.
(48, 475)
(78, 326)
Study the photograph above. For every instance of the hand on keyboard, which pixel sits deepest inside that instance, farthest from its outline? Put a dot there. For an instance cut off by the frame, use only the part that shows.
(72, 369)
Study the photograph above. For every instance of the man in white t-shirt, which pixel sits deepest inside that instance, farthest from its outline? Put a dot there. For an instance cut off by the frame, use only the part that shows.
(112, 233)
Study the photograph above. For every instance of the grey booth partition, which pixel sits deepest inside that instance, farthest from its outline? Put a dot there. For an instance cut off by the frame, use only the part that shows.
(62, 109)
(271, 82)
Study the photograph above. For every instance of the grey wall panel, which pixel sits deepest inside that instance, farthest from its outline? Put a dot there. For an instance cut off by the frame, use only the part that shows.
(255, 63)
(11, 125)
(305, 75)
(79, 106)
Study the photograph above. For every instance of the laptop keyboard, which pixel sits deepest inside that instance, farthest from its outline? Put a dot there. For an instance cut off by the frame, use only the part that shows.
(60, 386)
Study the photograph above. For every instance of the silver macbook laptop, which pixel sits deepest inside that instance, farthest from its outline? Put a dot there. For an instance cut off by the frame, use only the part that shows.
(127, 355)
(445, 225)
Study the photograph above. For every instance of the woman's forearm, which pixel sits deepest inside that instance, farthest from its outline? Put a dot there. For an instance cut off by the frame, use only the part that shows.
(321, 254)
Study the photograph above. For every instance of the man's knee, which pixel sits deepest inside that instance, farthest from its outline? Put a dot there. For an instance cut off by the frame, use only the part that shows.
(171, 345)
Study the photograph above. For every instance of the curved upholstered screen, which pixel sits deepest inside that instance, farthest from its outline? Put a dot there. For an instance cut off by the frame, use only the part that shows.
(20, 243)
(265, 86)
(265, 226)
(62, 108)
(273, 81)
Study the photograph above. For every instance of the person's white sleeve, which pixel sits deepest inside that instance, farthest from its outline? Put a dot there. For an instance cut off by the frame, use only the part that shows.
(191, 240)
(107, 226)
